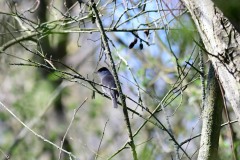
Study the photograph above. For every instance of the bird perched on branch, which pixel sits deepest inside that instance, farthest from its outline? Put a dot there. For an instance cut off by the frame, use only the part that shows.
(107, 80)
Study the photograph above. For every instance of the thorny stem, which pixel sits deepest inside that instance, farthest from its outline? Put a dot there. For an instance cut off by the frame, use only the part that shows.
(108, 53)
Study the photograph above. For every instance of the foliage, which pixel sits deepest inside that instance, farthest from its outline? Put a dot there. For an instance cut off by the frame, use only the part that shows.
(50, 51)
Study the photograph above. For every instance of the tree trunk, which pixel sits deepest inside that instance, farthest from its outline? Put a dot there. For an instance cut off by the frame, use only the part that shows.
(212, 116)
(222, 42)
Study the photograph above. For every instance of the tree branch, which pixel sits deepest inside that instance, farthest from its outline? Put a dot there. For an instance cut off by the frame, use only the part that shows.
(122, 97)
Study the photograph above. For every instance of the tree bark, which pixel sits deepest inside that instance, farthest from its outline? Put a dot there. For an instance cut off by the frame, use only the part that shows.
(222, 42)
(212, 116)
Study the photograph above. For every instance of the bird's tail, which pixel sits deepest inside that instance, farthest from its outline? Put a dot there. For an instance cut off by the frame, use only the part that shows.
(114, 101)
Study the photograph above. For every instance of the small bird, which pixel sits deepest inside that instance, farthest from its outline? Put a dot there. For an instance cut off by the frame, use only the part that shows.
(108, 80)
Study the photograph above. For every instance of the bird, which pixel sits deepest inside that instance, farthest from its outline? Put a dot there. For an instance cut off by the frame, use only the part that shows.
(107, 80)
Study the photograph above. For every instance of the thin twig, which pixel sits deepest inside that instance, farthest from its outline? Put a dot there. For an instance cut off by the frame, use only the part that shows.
(101, 139)
(69, 126)
(36, 134)
(36, 119)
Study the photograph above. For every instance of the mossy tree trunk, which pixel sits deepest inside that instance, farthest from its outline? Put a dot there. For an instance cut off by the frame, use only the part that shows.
(212, 116)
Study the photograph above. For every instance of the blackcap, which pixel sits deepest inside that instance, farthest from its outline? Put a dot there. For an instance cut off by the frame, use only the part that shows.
(108, 80)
